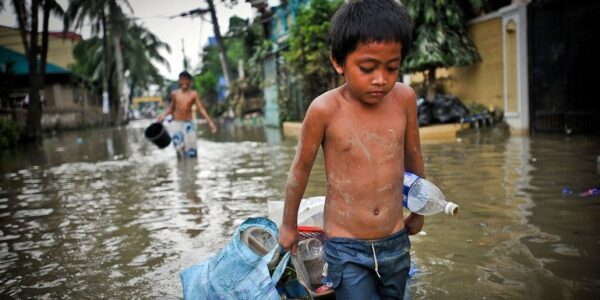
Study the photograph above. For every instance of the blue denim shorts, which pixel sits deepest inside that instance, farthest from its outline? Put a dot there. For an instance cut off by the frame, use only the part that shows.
(368, 269)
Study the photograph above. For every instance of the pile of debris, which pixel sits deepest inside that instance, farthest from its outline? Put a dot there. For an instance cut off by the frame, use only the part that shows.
(445, 109)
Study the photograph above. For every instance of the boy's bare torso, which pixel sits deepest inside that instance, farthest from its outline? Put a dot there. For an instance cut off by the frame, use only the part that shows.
(364, 162)
(183, 104)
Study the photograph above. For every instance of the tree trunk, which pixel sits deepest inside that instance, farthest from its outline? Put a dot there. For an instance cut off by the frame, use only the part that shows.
(220, 44)
(106, 66)
(33, 125)
(122, 109)
(117, 30)
(431, 83)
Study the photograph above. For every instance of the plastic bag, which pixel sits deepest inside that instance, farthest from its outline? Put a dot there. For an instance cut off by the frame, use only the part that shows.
(236, 272)
(424, 111)
(448, 109)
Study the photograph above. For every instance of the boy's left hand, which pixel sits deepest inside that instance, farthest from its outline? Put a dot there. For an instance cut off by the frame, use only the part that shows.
(414, 223)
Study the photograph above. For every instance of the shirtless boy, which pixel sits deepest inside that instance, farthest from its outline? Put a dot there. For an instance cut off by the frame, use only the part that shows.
(369, 133)
(183, 133)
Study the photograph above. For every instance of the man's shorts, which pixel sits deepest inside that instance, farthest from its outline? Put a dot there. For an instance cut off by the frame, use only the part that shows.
(183, 136)
(368, 269)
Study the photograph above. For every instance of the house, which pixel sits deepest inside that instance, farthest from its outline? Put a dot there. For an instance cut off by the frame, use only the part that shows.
(66, 100)
(279, 19)
(539, 64)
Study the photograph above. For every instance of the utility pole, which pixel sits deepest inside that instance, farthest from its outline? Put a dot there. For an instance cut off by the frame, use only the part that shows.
(186, 64)
(216, 31)
(220, 44)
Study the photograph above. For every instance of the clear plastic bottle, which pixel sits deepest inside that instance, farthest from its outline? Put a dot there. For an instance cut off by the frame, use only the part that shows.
(422, 197)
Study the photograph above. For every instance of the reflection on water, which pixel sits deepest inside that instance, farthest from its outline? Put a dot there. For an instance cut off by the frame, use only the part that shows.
(103, 213)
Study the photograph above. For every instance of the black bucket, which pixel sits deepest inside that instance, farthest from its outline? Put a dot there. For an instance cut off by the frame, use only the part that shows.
(157, 134)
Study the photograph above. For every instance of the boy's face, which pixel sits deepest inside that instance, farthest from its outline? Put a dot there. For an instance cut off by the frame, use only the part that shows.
(371, 70)
(184, 83)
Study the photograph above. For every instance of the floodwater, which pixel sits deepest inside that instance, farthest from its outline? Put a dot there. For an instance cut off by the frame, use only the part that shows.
(104, 214)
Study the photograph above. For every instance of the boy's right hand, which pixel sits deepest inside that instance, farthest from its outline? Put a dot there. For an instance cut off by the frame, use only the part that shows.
(160, 118)
(288, 238)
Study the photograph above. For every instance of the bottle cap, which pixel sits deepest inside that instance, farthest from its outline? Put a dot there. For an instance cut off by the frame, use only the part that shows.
(451, 209)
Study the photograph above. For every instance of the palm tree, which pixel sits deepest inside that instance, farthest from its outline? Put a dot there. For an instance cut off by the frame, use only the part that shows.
(79, 12)
(28, 20)
(140, 50)
(89, 57)
(117, 25)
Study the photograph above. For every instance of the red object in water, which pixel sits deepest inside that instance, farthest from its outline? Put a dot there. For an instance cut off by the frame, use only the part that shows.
(310, 228)
(323, 290)
(307, 232)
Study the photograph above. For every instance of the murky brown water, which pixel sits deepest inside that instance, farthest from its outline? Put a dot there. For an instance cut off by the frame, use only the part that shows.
(111, 216)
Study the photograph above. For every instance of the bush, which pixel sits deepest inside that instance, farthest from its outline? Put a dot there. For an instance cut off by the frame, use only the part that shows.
(10, 132)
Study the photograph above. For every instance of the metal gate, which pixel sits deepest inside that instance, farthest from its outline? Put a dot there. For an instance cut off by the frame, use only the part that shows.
(564, 66)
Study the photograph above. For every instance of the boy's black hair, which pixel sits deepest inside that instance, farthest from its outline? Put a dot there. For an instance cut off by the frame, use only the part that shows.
(185, 74)
(364, 21)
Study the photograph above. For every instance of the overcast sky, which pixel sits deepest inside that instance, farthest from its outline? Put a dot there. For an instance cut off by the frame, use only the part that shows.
(154, 14)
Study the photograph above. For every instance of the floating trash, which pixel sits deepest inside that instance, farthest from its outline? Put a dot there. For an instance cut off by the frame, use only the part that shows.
(590, 192)
(566, 191)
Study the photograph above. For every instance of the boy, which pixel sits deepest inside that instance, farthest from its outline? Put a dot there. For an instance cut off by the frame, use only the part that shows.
(369, 133)
(183, 133)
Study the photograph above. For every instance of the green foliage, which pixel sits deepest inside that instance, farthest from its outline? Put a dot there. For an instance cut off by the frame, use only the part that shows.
(440, 37)
(88, 59)
(243, 42)
(308, 54)
(10, 132)
(140, 51)
(205, 83)
(255, 63)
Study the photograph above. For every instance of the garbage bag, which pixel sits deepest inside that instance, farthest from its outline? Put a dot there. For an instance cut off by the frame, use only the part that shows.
(236, 272)
(423, 111)
(448, 109)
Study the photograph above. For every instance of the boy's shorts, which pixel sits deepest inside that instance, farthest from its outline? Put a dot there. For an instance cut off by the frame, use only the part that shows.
(183, 136)
(368, 269)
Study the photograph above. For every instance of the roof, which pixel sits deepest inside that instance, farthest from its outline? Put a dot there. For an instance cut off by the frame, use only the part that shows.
(20, 65)
(67, 35)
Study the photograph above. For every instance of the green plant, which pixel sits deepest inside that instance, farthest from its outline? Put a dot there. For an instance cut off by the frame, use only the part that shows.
(308, 54)
(440, 38)
(10, 132)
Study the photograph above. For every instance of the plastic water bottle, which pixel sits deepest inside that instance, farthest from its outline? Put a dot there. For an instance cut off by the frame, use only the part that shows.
(422, 197)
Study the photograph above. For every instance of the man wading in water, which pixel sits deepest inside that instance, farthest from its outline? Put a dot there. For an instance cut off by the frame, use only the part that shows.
(183, 133)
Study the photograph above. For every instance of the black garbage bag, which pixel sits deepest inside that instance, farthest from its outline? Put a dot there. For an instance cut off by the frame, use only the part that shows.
(448, 109)
(423, 111)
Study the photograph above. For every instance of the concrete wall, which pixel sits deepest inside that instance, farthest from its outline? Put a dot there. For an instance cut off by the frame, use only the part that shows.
(65, 106)
(59, 96)
(54, 119)
(59, 119)
(481, 83)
